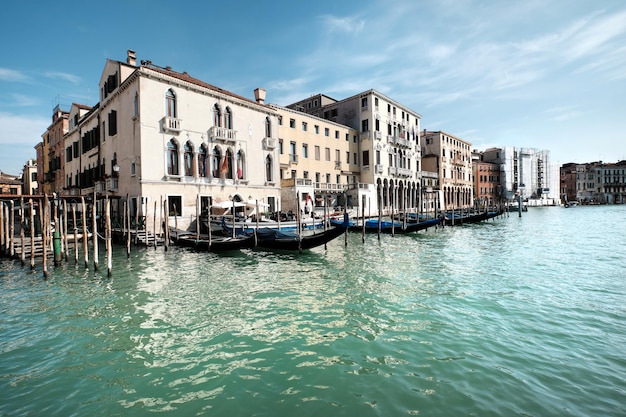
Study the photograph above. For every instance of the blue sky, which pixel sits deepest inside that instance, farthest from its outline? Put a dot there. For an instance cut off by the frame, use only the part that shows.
(548, 75)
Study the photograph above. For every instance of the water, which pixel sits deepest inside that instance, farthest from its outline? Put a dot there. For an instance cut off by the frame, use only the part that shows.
(511, 317)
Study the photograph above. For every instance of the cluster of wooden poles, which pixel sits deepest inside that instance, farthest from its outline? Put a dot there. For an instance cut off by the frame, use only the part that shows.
(53, 213)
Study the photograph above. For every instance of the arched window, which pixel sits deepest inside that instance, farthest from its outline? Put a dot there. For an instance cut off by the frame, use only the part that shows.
(269, 169)
(215, 163)
(172, 158)
(202, 161)
(268, 127)
(217, 116)
(188, 158)
(228, 118)
(227, 165)
(240, 164)
(170, 103)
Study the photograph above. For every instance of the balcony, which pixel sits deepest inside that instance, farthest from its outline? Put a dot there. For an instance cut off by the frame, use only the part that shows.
(404, 172)
(378, 135)
(269, 143)
(338, 165)
(365, 135)
(223, 135)
(329, 187)
(171, 124)
(378, 169)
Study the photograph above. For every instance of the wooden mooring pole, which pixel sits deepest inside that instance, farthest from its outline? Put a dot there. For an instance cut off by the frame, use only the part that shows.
(107, 214)
(32, 233)
(95, 233)
(85, 236)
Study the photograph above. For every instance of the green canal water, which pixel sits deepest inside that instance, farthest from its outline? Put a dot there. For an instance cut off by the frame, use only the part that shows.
(517, 316)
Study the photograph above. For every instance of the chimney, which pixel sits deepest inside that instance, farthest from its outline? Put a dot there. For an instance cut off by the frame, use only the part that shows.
(259, 95)
(131, 58)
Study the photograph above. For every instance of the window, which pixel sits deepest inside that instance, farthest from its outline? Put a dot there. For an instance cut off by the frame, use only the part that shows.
(347, 137)
(240, 164)
(217, 116)
(305, 150)
(269, 169)
(364, 102)
(188, 159)
(136, 105)
(228, 118)
(347, 157)
(268, 127)
(336, 134)
(280, 146)
(133, 169)
(170, 103)
(304, 126)
(377, 125)
(355, 160)
(326, 131)
(172, 158)
(327, 153)
(215, 165)
(202, 161)
(317, 177)
(292, 152)
(227, 165)
(337, 155)
(174, 205)
(317, 153)
(317, 130)
(292, 123)
(376, 101)
(366, 158)
(365, 125)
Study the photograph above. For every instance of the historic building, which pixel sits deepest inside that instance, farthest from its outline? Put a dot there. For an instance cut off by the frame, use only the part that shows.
(487, 188)
(161, 135)
(451, 158)
(51, 170)
(30, 185)
(389, 148)
(318, 158)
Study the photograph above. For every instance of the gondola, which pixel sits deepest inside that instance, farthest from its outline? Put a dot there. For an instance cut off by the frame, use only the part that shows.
(386, 226)
(216, 244)
(269, 238)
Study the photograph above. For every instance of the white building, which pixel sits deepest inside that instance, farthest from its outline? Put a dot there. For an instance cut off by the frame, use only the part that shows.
(161, 135)
(390, 153)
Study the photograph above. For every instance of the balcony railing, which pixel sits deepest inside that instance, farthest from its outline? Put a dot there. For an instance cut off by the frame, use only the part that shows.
(171, 124)
(378, 169)
(222, 134)
(326, 186)
(365, 135)
(378, 135)
(269, 143)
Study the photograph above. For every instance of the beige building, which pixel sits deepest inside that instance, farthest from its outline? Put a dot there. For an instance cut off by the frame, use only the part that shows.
(29, 178)
(161, 135)
(52, 152)
(451, 158)
(317, 158)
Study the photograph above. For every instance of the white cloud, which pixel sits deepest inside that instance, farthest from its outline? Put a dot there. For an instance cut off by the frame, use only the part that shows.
(63, 76)
(20, 129)
(342, 24)
(22, 100)
(12, 75)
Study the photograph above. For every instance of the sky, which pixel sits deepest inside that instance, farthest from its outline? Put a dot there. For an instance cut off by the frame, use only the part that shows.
(537, 74)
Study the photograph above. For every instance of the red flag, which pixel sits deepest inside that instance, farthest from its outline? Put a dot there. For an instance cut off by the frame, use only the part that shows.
(224, 168)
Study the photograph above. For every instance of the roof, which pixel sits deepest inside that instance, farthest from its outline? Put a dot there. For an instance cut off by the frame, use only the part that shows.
(184, 76)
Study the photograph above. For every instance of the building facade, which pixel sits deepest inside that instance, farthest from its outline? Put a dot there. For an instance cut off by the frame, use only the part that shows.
(29, 178)
(318, 159)
(487, 188)
(158, 136)
(389, 148)
(451, 158)
(52, 152)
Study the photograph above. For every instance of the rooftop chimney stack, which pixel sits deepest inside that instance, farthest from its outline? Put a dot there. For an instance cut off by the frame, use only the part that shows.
(259, 95)
(131, 58)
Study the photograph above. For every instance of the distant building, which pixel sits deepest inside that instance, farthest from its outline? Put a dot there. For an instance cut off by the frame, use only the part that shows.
(613, 182)
(487, 188)
(29, 178)
(10, 184)
(451, 158)
(568, 182)
(528, 172)
(52, 152)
